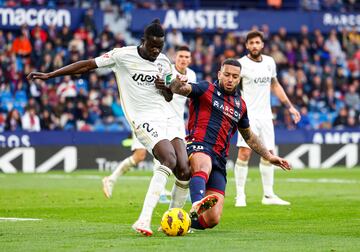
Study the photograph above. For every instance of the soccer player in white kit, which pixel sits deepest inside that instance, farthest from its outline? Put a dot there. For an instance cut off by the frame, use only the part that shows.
(137, 70)
(258, 80)
(182, 61)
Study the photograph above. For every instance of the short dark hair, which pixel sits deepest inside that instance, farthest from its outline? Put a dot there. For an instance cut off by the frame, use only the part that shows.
(231, 61)
(154, 29)
(182, 48)
(254, 34)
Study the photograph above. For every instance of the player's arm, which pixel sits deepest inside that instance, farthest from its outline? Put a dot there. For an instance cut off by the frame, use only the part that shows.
(254, 142)
(278, 90)
(180, 86)
(79, 67)
(164, 90)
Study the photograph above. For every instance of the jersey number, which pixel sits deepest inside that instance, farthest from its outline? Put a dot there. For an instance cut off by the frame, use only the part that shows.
(147, 127)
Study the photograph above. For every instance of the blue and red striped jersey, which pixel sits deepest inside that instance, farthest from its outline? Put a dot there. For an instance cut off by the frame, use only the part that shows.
(215, 116)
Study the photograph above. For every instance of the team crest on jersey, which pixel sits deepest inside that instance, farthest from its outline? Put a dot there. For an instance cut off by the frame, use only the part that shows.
(237, 103)
(218, 93)
(160, 67)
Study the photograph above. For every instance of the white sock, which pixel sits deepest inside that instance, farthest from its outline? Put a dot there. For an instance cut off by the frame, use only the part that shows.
(122, 168)
(240, 171)
(156, 166)
(179, 193)
(157, 184)
(267, 177)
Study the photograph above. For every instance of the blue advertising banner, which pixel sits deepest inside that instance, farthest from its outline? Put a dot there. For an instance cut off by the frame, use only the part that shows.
(14, 18)
(60, 138)
(66, 138)
(232, 20)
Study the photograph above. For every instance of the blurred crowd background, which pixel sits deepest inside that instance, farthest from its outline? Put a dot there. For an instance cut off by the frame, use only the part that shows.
(319, 72)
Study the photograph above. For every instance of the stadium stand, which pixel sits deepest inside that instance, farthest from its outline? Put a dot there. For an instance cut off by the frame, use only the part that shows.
(320, 72)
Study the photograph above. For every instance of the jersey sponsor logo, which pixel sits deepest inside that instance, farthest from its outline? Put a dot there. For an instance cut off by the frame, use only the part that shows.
(144, 79)
(228, 111)
(195, 147)
(262, 80)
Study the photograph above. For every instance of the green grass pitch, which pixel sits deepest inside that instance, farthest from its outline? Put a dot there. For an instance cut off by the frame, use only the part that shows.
(324, 215)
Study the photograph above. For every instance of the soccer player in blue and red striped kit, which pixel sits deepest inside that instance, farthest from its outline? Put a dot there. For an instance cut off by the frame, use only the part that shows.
(216, 112)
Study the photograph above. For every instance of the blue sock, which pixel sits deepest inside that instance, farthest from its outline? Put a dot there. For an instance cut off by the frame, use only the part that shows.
(196, 224)
(198, 186)
(199, 223)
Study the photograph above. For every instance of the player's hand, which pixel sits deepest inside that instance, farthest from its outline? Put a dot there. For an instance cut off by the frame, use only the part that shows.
(295, 114)
(160, 83)
(282, 163)
(38, 75)
(182, 78)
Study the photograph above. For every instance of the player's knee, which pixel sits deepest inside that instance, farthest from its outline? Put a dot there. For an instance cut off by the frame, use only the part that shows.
(244, 154)
(183, 174)
(213, 220)
(139, 156)
(264, 161)
(170, 160)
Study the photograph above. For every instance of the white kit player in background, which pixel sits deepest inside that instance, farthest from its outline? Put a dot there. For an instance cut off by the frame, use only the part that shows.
(137, 71)
(178, 104)
(176, 115)
(258, 80)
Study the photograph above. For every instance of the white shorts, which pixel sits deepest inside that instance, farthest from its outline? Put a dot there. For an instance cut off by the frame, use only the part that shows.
(264, 129)
(175, 128)
(136, 143)
(149, 132)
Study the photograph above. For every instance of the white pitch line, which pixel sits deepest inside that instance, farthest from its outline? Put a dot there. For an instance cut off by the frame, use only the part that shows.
(323, 180)
(93, 177)
(18, 219)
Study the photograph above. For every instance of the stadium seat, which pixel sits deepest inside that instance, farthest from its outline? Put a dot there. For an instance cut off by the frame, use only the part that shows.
(21, 95)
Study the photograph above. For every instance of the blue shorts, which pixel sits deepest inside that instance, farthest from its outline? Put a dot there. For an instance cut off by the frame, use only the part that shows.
(217, 178)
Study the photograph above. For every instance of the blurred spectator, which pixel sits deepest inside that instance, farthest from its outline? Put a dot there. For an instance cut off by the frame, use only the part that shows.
(67, 88)
(13, 121)
(30, 121)
(352, 99)
(89, 20)
(333, 45)
(305, 119)
(341, 120)
(47, 121)
(174, 38)
(66, 36)
(22, 45)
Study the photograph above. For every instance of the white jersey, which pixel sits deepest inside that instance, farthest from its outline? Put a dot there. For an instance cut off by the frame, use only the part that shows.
(135, 78)
(256, 85)
(178, 101)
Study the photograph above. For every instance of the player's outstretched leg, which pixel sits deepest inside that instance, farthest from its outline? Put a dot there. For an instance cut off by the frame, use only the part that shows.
(109, 182)
(108, 186)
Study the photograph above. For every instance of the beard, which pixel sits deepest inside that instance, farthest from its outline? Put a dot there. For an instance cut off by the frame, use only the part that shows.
(255, 54)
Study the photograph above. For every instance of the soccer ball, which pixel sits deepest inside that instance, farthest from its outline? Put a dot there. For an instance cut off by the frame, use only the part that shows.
(175, 222)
